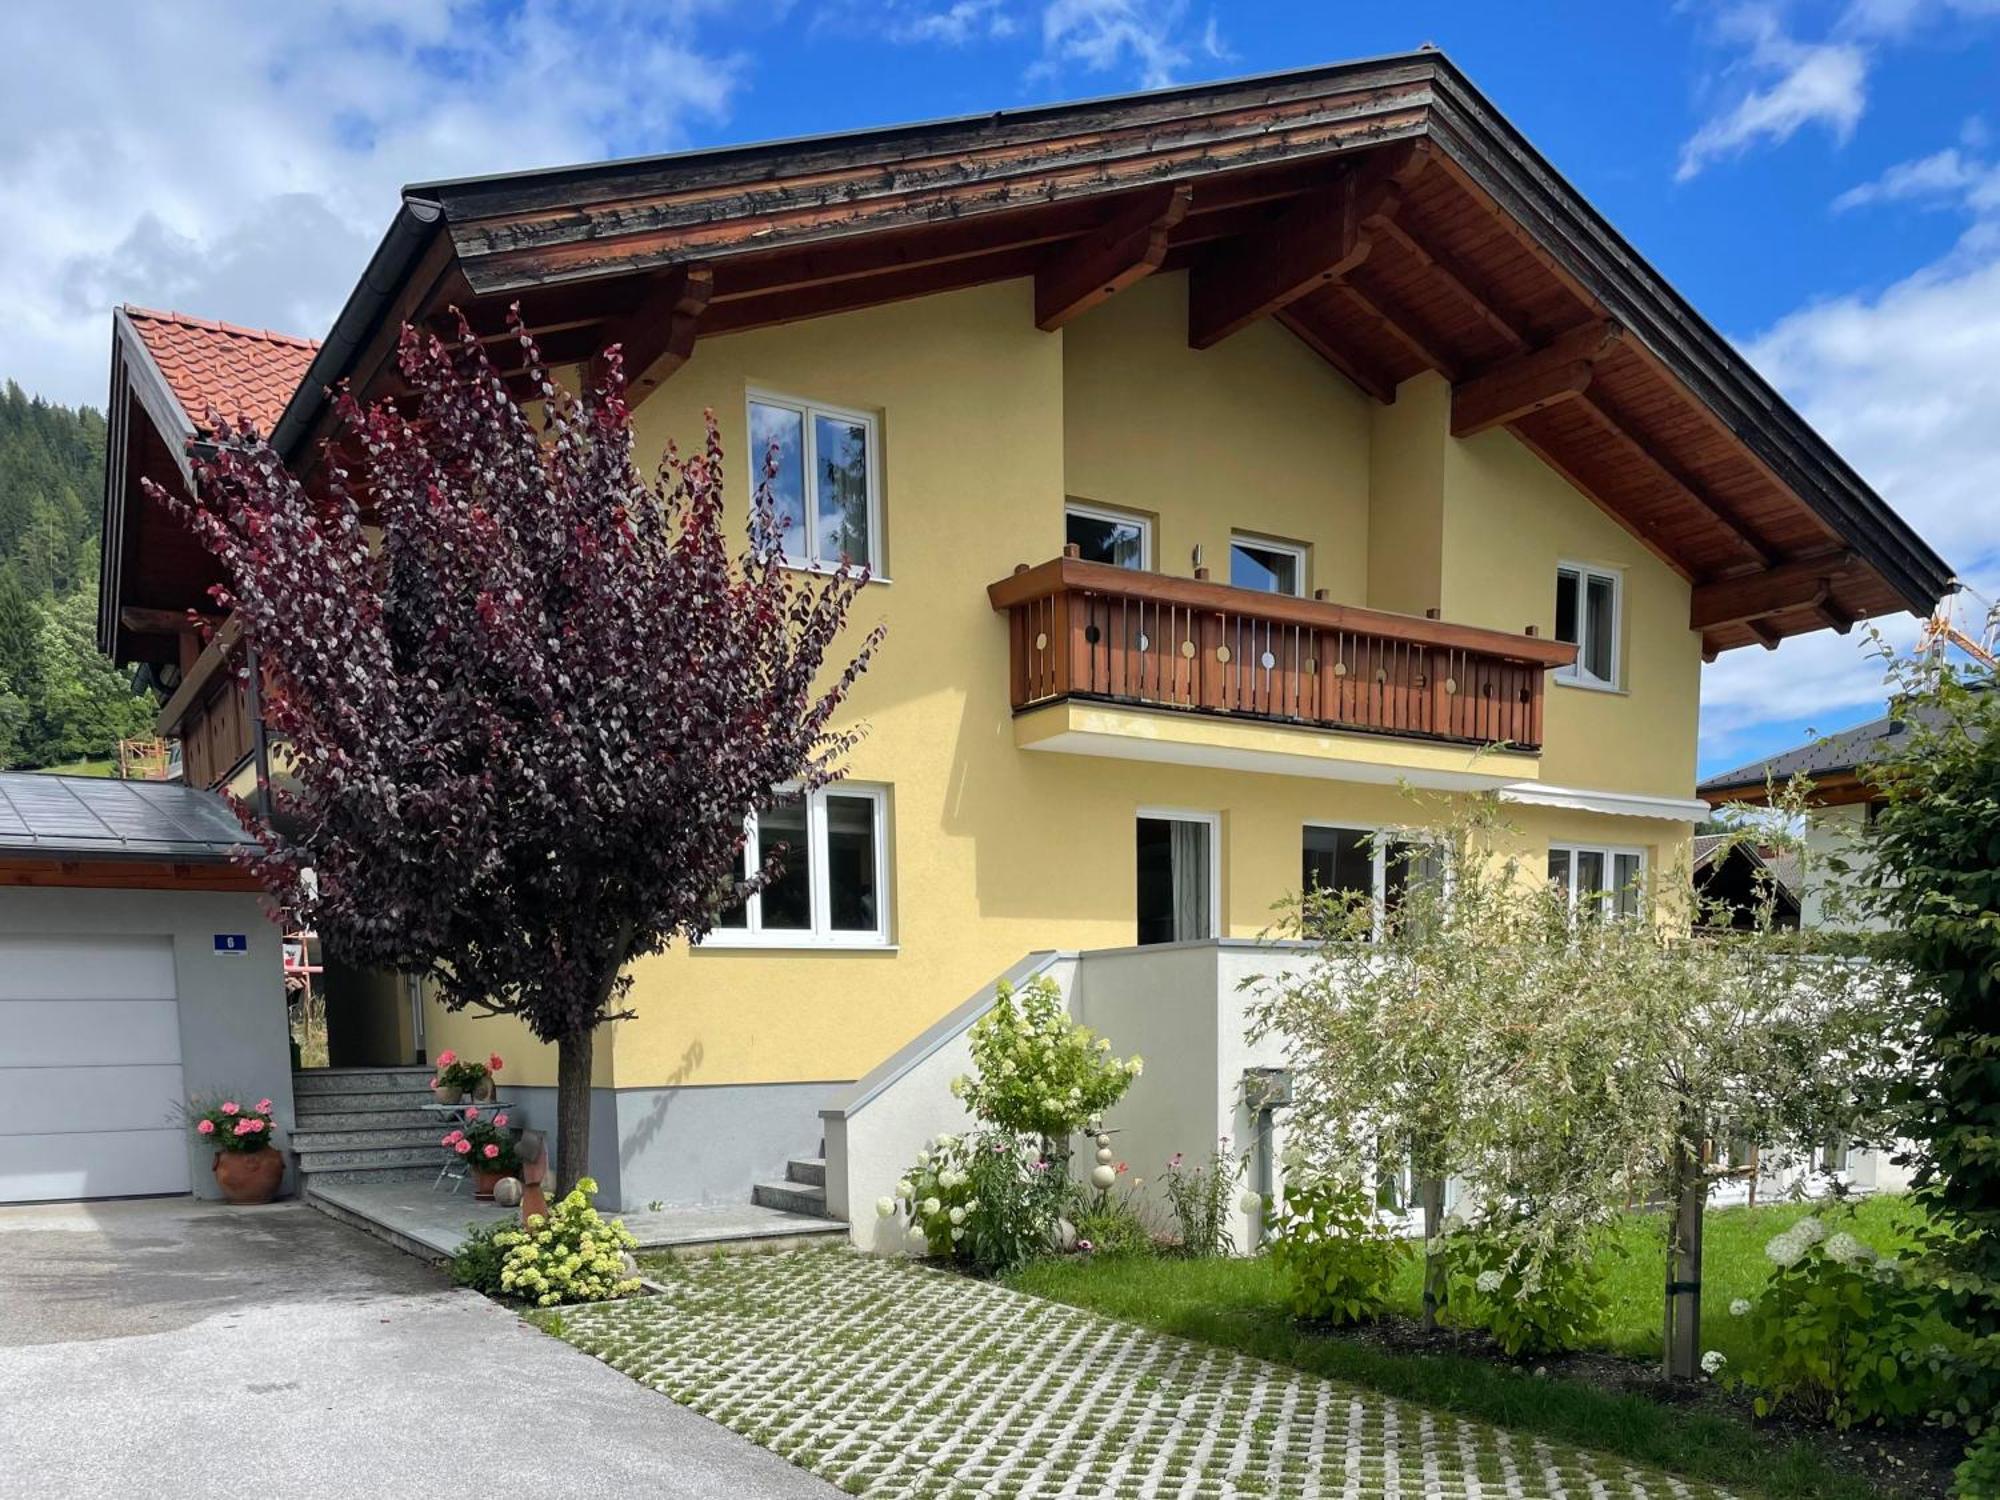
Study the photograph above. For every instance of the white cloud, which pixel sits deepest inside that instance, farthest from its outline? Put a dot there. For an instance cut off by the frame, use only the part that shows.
(1944, 179)
(239, 159)
(954, 26)
(1107, 36)
(1779, 86)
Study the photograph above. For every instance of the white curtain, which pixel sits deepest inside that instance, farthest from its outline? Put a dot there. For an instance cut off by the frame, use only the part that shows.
(1191, 894)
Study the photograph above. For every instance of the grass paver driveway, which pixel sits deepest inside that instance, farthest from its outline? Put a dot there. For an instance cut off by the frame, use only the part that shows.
(892, 1379)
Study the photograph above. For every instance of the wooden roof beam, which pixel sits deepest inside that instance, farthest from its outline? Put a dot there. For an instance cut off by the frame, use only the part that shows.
(1105, 263)
(1365, 377)
(658, 335)
(1461, 280)
(1313, 245)
(1793, 585)
(1532, 382)
(1401, 325)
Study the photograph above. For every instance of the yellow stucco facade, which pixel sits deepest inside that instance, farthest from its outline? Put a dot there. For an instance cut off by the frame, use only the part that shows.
(998, 845)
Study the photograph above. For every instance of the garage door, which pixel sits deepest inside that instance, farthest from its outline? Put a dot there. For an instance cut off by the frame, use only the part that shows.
(90, 1069)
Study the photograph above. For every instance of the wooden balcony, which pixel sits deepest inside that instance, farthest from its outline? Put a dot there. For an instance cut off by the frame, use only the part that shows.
(1080, 630)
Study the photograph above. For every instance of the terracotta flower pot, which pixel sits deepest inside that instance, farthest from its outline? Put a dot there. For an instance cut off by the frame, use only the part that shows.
(249, 1176)
(483, 1184)
(483, 1090)
(446, 1094)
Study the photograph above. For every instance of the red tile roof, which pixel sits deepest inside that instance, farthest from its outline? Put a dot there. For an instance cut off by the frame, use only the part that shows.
(240, 372)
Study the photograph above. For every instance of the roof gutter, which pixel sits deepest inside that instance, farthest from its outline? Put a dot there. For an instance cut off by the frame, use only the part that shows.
(408, 237)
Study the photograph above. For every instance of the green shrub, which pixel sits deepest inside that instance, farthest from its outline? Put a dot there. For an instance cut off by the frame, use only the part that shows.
(1113, 1222)
(479, 1260)
(573, 1254)
(1842, 1334)
(1337, 1257)
(1201, 1198)
(1038, 1071)
(991, 1200)
(1532, 1303)
(1978, 1477)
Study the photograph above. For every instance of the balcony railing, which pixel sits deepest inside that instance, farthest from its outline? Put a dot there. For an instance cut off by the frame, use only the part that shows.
(1091, 631)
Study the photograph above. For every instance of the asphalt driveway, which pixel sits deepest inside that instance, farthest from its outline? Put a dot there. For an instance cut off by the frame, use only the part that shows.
(175, 1348)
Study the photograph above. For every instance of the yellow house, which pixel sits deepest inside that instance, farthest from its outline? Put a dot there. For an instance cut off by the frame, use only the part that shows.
(1226, 458)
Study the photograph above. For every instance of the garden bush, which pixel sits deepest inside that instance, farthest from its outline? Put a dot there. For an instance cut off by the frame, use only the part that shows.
(1978, 1477)
(478, 1261)
(1113, 1221)
(1842, 1334)
(571, 1254)
(1201, 1198)
(1534, 1300)
(1038, 1071)
(1338, 1259)
(989, 1199)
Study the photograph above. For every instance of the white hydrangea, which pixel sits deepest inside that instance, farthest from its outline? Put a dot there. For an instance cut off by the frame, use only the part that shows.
(1489, 1282)
(958, 1216)
(1809, 1231)
(1253, 1203)
(1713, 1361)
(1846, 1249)
(905, 1190)
(931, 1208)
(1785, 1249)
(1739, 1307)
(885, 1207)
(917, 1241)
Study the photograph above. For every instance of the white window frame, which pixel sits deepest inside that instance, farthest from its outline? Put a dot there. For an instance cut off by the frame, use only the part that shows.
(1115, 517)
(810, 560)
(1610, 853)
(1576, 675)
(821, 934)
(1298, 551)
(1382, 835)
(1214, 822)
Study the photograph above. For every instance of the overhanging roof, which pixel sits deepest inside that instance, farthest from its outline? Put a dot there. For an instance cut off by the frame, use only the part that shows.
(70, 817)
(1445, 240)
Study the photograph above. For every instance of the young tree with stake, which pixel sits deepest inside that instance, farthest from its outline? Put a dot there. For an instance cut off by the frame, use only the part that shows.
(528, 696)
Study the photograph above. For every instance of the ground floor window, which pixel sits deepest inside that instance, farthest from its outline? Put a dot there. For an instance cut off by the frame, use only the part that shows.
(1179, 876)
(1365, 865)
(832, 889)
(1591, 877)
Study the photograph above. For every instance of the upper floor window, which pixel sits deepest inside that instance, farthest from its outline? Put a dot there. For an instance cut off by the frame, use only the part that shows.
(826, 496)
(831, 888)
(1596, 879)
(1108, 536)
(1269, 566)
(1587, 610)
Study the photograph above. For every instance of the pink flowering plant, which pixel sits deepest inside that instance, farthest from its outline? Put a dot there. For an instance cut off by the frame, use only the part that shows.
(486, 1142)
(228, 1124)
(463, 1073)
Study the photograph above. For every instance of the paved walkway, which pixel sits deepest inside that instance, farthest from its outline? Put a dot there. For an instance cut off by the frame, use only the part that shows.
(890, 1379)
(173, 1348)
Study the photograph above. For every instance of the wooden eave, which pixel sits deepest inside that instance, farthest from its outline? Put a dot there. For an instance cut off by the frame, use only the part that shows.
(1466, 254)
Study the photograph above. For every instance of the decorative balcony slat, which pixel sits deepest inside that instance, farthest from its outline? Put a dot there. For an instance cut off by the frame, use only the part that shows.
(1087, 630)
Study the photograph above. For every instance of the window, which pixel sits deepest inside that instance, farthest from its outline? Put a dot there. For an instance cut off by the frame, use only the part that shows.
(1364, 864)
(1601, 879)
(1109, 536)
(1587, 607)
(1270, 567)
(832, 889)
(1180, 876)
(825, 497)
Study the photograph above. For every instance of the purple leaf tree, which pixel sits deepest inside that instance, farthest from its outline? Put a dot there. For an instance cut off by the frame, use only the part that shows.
(527, 695)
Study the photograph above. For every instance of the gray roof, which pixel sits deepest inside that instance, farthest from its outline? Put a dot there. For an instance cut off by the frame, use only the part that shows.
(1783, 864)
(1842, 751)
(72, 816)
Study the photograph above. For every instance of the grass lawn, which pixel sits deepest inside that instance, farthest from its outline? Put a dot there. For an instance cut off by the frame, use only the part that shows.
(1241, 1304)
(82, 768)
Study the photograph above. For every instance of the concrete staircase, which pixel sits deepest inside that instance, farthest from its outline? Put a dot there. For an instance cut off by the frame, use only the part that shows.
(802, 1192)
(364, 1124)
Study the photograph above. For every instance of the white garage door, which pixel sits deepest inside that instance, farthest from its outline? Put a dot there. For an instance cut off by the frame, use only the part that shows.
(90, 1069)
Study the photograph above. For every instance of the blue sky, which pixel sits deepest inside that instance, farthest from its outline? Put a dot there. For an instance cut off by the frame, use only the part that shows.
(1821, 180)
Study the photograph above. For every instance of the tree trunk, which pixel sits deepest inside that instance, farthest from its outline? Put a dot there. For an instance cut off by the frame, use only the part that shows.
(1681, 1342)
(1430, 1194)
(572, 1108)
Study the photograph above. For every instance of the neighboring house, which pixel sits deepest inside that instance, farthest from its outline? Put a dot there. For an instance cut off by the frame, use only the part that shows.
(1738, 878)
(1840, 805)
(1224, 456)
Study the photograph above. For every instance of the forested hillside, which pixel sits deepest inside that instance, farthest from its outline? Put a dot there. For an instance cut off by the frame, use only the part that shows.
(59, 700)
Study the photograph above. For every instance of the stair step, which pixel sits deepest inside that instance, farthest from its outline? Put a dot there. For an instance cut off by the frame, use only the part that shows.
(793, 1197)
(810, 1170)
(427, 1154)
(385, 1119)
(316, 1137)
(361, 1080)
